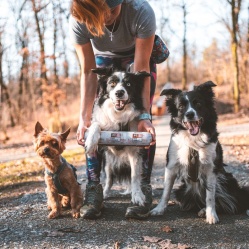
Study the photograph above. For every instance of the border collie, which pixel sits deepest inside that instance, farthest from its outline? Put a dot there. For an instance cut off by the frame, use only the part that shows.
(117, 108)
(195, 156)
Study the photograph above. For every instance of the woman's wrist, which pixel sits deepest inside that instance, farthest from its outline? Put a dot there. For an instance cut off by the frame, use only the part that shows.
(144, 116)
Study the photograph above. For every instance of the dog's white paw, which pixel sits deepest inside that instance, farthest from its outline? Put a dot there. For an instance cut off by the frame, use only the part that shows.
(91, 144)
(92, 138)
(202, 213)
(106, 193)
(211, 216)
(138, 198)
(158, 210)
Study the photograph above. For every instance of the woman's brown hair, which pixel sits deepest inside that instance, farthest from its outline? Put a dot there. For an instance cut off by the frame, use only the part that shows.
(92, 13)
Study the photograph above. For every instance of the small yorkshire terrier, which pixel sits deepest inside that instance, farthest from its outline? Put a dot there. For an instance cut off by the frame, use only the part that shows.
(62, 190)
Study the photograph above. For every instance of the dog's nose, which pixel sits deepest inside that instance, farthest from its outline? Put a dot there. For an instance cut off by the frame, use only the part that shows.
(46, 150)
(190, 114)
(119, 93)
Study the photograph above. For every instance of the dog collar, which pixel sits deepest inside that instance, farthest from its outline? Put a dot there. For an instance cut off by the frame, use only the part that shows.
(56, 178)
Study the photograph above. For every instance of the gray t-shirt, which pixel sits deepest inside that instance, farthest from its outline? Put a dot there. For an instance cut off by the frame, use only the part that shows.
(137, 21)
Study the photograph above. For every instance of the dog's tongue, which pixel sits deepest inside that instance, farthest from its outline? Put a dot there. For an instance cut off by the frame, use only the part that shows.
(119, 105)
(193, 128)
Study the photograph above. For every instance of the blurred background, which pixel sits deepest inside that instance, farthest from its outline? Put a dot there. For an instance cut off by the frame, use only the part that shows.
(40, 73)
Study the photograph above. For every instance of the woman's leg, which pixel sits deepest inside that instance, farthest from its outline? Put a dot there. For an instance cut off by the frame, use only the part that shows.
(149, 154)
(142, 212)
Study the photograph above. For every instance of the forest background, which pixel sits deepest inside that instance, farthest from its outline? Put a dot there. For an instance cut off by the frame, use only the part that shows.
(40, 73)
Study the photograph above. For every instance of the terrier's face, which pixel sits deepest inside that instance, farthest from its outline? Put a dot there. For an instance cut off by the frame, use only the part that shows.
(49, 145)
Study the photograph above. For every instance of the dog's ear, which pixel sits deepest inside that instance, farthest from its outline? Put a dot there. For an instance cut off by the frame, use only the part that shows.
(38, 129)
(105, 71)
(206, 89)
(65, 134)
(170, 93)
(138, 77)
(207, 86)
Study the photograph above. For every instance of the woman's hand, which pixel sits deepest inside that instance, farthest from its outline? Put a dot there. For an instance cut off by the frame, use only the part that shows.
(146, 126)
(80, 135)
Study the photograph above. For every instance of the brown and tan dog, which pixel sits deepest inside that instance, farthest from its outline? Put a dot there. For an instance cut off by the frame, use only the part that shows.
(62, 190)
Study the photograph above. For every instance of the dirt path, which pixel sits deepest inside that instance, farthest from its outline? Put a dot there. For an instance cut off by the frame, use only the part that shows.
(24, 223)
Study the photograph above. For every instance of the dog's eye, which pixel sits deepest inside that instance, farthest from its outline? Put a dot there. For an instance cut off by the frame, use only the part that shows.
(112, 84)
(128, 84)
(197, 103)
(55, 144)
(42, 143)
(181, 107)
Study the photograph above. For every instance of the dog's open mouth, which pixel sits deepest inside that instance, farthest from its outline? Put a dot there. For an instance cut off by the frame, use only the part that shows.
(193, 126)
(119, 104)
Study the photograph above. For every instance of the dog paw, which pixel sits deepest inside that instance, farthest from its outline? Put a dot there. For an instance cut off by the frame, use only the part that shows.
(90, 147)
(92, 139)
(53, 214)
(65, 202)
(202, 213)
(106, 194)
(138, 198)
(157, 211)
(211, 217)
(76, 215)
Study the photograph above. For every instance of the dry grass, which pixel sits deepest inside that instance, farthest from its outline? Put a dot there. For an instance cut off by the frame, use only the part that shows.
(32, 169)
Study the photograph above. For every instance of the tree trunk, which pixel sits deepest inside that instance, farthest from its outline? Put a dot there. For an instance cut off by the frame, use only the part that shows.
(43, 73)
(56, 80)
(247, 55)
(4, 92)
(184, 58)
(235, 9)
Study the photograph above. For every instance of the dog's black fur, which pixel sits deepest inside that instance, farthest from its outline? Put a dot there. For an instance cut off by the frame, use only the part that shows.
(196, 156)
(117, 108)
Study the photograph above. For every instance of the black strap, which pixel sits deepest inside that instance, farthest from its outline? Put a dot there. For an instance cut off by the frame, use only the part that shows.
(193, 165)
(56, 176)
(124, 127)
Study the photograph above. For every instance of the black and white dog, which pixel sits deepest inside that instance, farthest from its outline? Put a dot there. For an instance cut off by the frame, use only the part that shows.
(117, 108)
(195, 156)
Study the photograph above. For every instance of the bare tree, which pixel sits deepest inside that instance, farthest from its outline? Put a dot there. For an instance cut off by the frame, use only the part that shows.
(24, 94)
(4, 92)
(55, 31)
(235, 7)
(184, 43)
(247, 54)
(36, 10)
(183, 6)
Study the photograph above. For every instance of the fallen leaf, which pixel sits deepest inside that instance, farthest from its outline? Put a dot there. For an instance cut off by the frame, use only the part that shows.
(166, 244)
(27, 210)
(171, 203)
(181, 246)
(167, 229)
(151, 239)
